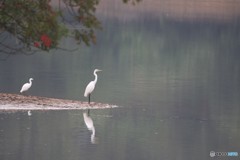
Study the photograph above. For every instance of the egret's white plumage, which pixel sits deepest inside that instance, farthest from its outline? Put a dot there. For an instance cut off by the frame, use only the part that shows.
(26, 86)
(91, 85)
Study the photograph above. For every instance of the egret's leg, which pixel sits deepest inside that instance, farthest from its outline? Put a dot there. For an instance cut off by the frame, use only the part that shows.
(24, 93)
(89, 98)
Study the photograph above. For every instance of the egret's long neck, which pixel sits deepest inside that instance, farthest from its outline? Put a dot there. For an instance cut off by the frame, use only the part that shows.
(30, 81)
(96, 77)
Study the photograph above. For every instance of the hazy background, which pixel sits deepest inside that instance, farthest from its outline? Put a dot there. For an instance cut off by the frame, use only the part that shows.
(172, 66)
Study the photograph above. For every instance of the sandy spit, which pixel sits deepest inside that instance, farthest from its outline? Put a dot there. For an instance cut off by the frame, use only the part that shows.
(15, 102)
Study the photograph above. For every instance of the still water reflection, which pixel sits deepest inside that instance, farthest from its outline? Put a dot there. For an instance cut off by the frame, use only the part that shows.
(177, 80)
(89, 123)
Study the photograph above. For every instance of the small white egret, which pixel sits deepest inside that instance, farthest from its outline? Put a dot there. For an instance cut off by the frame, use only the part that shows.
(89, 123)
(90, 87)
(26, 86)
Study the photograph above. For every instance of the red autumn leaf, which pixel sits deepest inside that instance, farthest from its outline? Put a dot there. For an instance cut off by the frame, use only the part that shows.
(36, 44)
(46, 40)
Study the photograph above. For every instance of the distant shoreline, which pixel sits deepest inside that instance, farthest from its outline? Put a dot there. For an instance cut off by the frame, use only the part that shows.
(17, 102)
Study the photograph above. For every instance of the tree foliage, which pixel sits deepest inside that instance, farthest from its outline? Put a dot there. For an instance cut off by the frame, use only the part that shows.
(27, 26)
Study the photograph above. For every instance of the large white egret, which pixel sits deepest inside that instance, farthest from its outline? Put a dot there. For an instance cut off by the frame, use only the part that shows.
(26, 86)
(91, 85)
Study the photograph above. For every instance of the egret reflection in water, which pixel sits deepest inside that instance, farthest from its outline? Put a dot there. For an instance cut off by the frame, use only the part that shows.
(29, 113)
(89, 123)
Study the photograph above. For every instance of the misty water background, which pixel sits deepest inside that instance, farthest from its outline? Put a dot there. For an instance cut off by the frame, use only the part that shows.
(172, 67)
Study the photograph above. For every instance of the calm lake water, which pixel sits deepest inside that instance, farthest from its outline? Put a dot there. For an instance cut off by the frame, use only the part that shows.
(176, 78)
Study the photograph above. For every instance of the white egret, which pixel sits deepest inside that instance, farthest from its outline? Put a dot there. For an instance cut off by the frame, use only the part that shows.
(89, 123)
(26, 86)
(90, 87)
